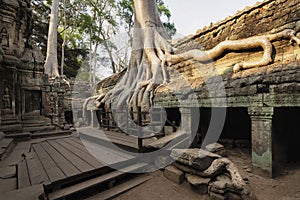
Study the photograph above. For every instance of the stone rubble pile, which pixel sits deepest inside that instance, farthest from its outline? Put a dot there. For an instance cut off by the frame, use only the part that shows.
(208, 173)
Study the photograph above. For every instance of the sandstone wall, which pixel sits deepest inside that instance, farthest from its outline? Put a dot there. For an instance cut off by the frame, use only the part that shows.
(276, 84)
(269, 16)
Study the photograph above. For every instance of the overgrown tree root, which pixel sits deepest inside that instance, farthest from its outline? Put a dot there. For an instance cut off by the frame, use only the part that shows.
(263, 41)
(152, 53)
(219, 166)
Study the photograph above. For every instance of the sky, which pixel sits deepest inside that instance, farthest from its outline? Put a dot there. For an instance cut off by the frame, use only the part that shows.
(191, 15)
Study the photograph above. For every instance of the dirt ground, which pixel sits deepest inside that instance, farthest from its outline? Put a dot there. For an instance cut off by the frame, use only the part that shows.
(286, 186)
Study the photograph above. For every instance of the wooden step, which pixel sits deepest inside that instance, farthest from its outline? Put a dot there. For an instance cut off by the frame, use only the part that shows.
(6, 146)
(91, 134)
(51, 134)
(160, 143)
(93, 182)
(119, 189)
(23, 175)
(5, 143)
(36, 124)
(9, 117)
(10, 121)
(11, 128)
(39, 128)
(19, 136)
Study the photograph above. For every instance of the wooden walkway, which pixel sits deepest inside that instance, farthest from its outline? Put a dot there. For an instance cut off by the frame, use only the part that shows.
(64, 161)
(113, 137)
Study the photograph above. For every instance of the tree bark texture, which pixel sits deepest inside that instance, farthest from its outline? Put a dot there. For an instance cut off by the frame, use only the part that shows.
(51, 63)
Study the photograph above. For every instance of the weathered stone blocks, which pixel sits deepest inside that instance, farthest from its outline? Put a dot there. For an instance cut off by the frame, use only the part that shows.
(173, 174)
(198, 184)
(216, 148)
(208, 173)
(195, 158)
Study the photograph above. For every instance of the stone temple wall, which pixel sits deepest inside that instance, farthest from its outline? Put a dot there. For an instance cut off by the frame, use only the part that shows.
(263, 95)
(21, 66)
(267, 93)
(273, 82)
(268, 16)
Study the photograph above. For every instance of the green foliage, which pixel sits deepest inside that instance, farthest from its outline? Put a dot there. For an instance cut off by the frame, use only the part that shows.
(126, 13)
(76, 50)
(89, 24)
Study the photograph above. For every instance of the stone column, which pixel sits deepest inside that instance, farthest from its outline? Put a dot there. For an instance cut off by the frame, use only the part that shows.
(190, 120)
(261, 132)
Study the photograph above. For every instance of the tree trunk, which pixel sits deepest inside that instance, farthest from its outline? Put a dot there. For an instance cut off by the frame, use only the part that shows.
(64, 41)
(51, 63)
(146, 68)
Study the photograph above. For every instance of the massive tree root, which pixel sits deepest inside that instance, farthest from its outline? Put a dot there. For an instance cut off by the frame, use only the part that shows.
(152, 52)
(147, 68)
(263, 41)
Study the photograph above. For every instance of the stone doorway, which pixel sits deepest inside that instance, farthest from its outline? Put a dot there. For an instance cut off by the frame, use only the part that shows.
(286, 137)
(32, 102)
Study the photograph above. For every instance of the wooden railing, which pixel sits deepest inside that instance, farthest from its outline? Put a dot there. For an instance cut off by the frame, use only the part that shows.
(134, 122)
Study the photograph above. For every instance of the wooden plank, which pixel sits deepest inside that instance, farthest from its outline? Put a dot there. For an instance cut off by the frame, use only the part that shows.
(87, 157)
(160, 143)
(36, 171)
(132, 144)
(62, 162)
(75, 139)
(76, 143)
(106, 155)
(53, 171)
(23, 177)
(4, 143)
(119, 189)
(80, 164)
(121, 137)
(93, 182)
(82, 146)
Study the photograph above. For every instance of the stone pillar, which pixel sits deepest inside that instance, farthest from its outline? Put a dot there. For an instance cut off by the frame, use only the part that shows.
(261, 132)
(95, 122)
(190, 120)
(57, 104)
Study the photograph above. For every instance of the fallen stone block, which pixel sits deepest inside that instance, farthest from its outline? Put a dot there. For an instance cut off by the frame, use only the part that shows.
(223, 182)
(173, 174)
(162, 161)
(216, 196)
(168, 130)
(225, 196)
(195, 158)
(216, 148)
(198, 184)
(232, 196)
(167, 139)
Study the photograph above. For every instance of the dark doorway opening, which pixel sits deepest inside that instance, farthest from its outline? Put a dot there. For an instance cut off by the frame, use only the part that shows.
(33, 102)
(286, 135)
(236, 130)
(69, 117)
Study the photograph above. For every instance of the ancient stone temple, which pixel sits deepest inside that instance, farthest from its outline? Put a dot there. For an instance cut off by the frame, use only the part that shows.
(257, 105)
(26, 92)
